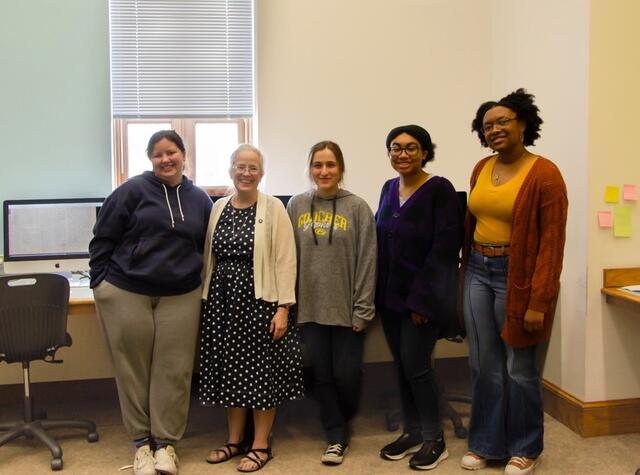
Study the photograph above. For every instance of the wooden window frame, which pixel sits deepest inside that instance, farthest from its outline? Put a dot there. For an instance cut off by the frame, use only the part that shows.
(186, 128)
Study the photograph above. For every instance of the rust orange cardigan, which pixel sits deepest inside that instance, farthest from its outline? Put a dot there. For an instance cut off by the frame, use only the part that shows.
(536, 250)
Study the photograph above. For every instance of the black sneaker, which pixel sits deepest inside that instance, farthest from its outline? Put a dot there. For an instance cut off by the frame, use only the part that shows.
(401, 447)
(334, 454)
(430, 455)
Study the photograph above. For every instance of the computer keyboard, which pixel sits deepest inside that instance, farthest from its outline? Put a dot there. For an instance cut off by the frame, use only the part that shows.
(77, 278)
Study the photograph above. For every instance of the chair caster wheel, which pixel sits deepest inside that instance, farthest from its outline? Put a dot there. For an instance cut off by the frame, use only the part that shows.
(56, 464)
(461, 432)
(93, 437)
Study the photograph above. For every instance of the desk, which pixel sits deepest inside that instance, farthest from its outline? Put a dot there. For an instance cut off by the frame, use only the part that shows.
(613, 279)
(81, 301)
(88, 357)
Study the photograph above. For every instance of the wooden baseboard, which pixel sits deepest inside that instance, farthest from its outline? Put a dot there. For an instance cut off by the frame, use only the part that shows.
(590, 419)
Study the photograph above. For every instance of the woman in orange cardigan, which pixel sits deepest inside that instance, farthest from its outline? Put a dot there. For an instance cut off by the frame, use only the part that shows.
(514, 243)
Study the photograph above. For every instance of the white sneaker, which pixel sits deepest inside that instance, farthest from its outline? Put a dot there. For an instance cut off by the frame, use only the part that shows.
(144, 463)
(520, 466)
(166, 461)
(334, 455)
(473, 461)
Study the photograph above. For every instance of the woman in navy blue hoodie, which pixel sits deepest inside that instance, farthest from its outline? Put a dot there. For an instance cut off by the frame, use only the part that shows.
(146, 261)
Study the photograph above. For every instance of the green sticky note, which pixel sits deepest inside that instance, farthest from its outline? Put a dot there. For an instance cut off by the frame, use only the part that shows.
(622, 221)
(611, 194)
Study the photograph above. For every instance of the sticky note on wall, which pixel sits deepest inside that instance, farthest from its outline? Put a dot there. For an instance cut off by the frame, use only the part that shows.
(629, 193)
(622, 221)
(605, 219)
(611, 194)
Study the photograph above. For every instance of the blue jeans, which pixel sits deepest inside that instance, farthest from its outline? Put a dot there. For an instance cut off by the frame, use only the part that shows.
(506, 412)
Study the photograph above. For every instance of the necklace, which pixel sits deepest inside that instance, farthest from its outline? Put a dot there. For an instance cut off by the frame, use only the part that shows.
(496, 174)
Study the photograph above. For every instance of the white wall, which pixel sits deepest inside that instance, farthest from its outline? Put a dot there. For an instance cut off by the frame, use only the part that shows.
(352, 70)
(544, 47)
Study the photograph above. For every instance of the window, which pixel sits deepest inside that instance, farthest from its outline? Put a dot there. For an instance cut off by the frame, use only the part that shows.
(185, 65)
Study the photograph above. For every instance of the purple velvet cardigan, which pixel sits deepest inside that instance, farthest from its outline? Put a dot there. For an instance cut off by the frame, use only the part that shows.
(418, 250)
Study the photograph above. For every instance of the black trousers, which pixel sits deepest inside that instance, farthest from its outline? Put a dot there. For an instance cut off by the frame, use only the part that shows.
(411, 346)
(335, 354)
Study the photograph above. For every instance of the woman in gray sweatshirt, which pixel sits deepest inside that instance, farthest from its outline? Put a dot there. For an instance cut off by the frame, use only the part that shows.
(336, 244)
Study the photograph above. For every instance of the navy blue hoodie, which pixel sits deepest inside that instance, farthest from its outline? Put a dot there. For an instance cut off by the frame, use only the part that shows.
(149, 237)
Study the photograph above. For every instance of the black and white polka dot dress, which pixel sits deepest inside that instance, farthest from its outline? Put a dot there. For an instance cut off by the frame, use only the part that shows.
(240, 364)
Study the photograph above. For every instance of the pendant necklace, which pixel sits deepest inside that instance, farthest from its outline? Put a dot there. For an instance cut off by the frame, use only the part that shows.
(496, 175)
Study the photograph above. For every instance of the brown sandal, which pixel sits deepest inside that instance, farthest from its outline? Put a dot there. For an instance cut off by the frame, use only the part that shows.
(227, 451)
(254, 456)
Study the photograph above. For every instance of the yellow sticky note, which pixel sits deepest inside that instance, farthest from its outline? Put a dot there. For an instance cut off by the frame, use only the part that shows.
(611, 194)
(622, 221)
(605, 220)
(629, 193)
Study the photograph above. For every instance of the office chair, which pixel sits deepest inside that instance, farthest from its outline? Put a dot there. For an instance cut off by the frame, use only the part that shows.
(446, 398)
(33, 325)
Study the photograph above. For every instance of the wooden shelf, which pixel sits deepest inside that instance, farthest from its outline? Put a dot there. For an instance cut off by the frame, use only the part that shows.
(613, 279)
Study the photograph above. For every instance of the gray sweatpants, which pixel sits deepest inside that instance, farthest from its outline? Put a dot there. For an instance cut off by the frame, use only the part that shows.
(152, 341)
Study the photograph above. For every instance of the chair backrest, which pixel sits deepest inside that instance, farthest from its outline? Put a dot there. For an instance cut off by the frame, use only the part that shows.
(33, 316)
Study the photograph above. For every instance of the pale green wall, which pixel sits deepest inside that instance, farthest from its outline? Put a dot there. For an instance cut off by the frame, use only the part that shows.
(54, 99)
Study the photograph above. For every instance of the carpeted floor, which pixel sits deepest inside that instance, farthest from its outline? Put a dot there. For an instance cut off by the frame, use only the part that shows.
(298, 440)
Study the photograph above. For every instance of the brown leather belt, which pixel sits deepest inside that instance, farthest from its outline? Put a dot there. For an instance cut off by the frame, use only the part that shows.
(491, 251)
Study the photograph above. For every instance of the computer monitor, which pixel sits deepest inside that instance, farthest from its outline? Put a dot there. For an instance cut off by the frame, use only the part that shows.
(48, 235)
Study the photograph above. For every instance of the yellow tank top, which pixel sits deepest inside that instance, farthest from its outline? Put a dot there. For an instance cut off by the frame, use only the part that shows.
(492, 205)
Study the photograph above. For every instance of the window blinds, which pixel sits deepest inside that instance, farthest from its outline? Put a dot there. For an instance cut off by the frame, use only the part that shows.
(181, 58)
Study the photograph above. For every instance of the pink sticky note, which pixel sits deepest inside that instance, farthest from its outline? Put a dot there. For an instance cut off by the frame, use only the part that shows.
(629, 193)
(605, 219)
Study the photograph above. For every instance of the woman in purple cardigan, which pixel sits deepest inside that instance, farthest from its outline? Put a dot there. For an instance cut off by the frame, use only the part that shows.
(419, 226)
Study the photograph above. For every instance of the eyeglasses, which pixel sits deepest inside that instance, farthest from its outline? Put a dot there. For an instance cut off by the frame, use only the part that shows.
(411, 149)
(252, 169)
(502, 122)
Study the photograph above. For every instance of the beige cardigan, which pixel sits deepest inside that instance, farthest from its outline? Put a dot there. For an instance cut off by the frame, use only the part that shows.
(274, 251)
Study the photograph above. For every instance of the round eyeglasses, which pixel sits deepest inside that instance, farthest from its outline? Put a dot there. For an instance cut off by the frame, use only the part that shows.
(242, 169)
(502, 122)
(411, 150)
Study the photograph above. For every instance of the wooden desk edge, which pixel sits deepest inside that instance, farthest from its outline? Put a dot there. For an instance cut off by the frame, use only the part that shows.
(81, 307)
(613, 279)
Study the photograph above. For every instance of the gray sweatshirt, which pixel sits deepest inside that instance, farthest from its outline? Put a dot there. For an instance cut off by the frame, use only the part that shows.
(337, 269)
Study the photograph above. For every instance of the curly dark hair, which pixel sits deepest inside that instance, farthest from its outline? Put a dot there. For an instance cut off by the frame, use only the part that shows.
(523, 105)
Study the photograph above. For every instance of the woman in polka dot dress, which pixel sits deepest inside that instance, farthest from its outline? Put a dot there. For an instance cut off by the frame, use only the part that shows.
(250, 353)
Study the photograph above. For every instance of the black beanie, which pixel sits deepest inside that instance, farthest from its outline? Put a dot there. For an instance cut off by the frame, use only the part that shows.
(418, 133)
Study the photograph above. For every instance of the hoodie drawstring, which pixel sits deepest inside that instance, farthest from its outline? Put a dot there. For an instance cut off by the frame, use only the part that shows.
(313, 221)
(179, 205)
(166, 197)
